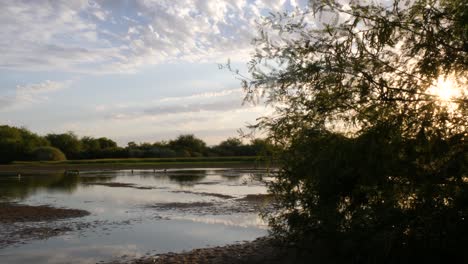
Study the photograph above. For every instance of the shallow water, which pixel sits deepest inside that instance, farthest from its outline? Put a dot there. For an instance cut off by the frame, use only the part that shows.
(127, 222)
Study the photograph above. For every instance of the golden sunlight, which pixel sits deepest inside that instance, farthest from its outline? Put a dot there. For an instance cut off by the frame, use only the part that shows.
(446, 89)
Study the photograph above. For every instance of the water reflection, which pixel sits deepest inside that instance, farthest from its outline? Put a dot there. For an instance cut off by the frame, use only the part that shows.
(13, 187)
(121, 212)
(186, 179)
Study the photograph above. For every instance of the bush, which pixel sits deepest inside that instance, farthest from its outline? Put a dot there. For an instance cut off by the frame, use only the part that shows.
(48, 154)
(374, 168)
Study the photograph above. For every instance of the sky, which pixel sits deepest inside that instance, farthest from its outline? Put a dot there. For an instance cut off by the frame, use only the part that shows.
(141, 70)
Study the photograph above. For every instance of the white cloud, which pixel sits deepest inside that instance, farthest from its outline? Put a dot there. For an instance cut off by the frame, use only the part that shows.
(213, 116)
(224, 100)
(31, 93)
(121, 36)
(211, 126)
(40, 88)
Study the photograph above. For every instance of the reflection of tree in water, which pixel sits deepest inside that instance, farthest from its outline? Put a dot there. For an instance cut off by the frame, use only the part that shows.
(22, 187)
(250, 174)
(157, 174)
(231, 175)
(187, 178)
(27, 185)
(96, 178)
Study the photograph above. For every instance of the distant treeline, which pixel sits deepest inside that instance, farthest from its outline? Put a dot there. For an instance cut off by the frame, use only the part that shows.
(20, 144)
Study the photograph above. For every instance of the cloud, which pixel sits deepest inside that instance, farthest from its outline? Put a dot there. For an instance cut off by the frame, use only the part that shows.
(220, 101)
(31, 93)
(212, 126)
(6, 102)
(41, 88)
(122, 36)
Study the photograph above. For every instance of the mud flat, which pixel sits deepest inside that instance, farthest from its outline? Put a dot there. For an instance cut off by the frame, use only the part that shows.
(12, 213)
(261, 250)
(122, 185)
(20, 223)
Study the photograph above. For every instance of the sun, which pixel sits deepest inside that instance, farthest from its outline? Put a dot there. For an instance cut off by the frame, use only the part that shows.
(445, 89)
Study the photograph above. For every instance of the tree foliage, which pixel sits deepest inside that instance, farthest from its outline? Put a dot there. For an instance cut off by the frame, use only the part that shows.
(375, 159)
(95, 148)
(68, 143)
(188, 146)
(48, 154)
(18, 143)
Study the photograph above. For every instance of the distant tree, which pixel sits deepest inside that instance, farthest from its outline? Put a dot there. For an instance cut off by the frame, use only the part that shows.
(230, 147)
(131, 144)
(115, 152)
(68, 143)
(105, 143)
(18, 143)
(375, 162)
(90, 148)
(48, 154)
(262, 147)
(188, 145)
(99, 148)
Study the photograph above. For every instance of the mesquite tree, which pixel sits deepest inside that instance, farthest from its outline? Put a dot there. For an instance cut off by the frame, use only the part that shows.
(371, 111)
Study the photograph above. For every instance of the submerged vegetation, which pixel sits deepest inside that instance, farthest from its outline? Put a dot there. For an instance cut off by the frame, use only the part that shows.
(19, 144)
(374, 167)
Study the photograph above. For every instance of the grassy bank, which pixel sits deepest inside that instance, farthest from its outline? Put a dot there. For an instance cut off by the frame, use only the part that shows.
(132, 163)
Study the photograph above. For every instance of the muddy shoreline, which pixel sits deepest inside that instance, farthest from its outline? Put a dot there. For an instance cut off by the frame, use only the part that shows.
(13, 213)
(261, 250)
(20, 223)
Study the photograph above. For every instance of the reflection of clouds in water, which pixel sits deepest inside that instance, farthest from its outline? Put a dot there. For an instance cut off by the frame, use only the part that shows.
(166, 184)
(100, 210)
(110, 204)
(239, 220)
(76, 255)
(233, 190)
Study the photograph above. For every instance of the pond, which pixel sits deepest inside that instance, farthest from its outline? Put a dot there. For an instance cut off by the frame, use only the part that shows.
(134, 213)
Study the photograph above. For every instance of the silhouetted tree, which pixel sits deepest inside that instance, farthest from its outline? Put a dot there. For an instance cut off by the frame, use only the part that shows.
(375, 162)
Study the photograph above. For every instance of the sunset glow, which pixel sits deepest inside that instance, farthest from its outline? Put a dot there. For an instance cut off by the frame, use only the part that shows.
(446, 89)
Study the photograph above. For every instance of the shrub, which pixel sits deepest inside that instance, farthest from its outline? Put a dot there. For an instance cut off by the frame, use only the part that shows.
(48, 154)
